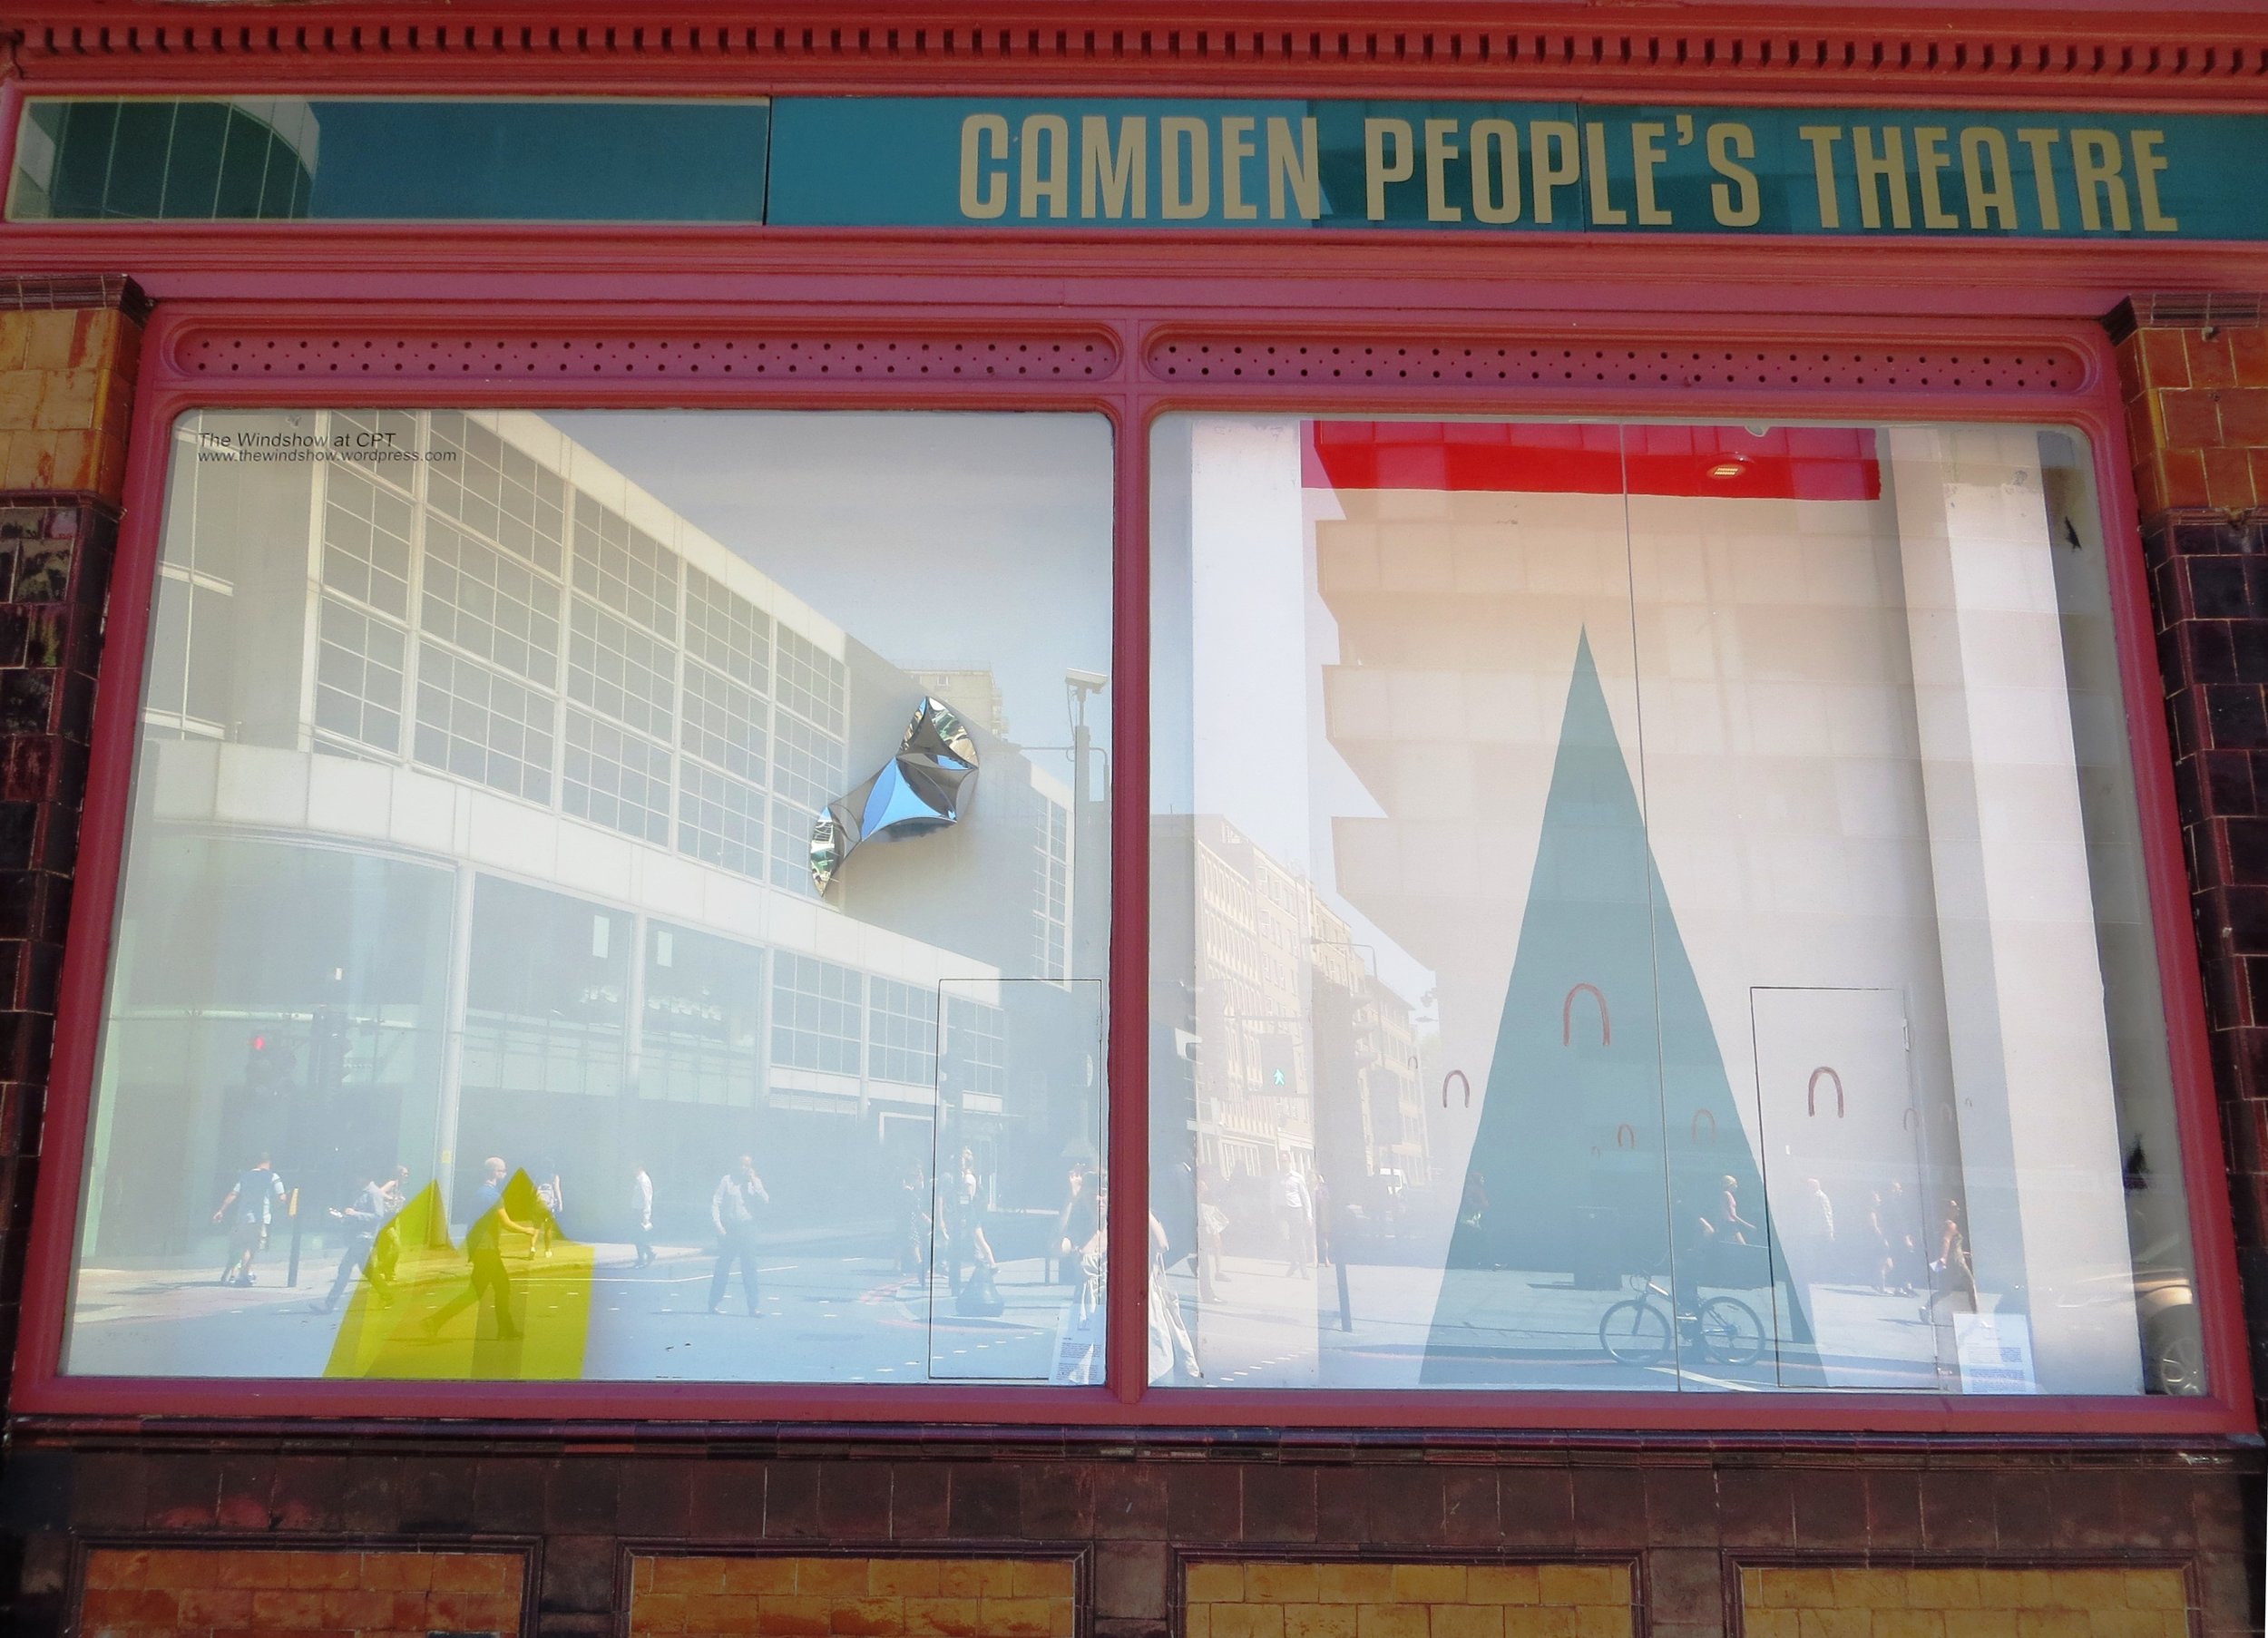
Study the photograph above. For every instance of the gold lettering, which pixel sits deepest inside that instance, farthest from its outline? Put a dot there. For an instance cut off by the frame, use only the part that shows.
(1992, 197)
(1048, 180)
(1603, 208)
(983, 190)
(1496, 182)
(1118, 179)
(1377, 169)
(2042, 142)
(1822, 138)
(1890, 167)
(1185, 185)
(2148, 165)
(1646, 152)
(1547, 138)
(1235, 148)
(1738, 204)
(1930, 159)
(2097, 159)
(1294, 164)
(1440, 147)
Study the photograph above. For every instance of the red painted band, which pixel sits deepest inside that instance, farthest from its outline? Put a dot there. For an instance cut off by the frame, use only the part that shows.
(1778, 462)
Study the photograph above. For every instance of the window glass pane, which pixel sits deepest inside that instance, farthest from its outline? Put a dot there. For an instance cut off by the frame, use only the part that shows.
(472, 832)
(1651, 906)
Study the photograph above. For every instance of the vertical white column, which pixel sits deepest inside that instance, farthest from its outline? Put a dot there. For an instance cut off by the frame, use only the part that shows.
(2016, 919)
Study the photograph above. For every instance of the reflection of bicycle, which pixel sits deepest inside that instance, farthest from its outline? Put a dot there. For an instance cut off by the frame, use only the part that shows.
(1639, 1331)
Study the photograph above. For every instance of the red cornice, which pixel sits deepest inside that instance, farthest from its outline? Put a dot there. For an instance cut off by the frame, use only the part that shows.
(2097, 53)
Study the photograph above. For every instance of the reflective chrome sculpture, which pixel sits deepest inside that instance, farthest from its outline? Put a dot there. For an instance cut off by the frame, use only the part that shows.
(920, 788)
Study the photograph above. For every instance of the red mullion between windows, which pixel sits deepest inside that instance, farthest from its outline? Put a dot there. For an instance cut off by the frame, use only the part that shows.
(1127, 1334)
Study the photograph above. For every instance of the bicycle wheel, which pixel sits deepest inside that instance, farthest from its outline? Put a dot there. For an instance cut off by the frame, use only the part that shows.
(1729, 1331)
(1635, 1332)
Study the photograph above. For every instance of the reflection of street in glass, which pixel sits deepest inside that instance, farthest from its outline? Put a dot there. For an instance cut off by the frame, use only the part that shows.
(826, 1318)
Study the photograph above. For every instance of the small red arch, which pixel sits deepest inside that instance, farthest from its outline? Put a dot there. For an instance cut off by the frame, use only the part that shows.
(1625, 1137)
(1460, 1078)
(1698, 1116)
(1567, 1016)
(1810, 1092)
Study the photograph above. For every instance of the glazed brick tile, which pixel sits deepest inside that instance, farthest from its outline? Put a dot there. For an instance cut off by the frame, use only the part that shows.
(1131, 1579)
(1059, 1500)
(1204, 1501)
(1279, 1503)
(1609, 1507)
(1537, 1506)
(1469, 1508)
(853, 1501)
(920, 1501)
(1131, 1504)
(1681, 1507)
(791, 1502)
(986, 1500)
(1755, 1506)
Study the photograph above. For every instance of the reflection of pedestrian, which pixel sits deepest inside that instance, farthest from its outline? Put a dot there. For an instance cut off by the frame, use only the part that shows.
(1903, 1229)
(365, 1216)
(1819, 1228)
(554, 1199)
(1212, 1228)
(1294, 1216)
(965, 1229)
(249, 1207)
(1319, 1191)
(1729, 1227)
(732, 1208)
(642, 1216)
(1074, 1224)
(1952, 1256)
(914, 1245)
(484, 1248)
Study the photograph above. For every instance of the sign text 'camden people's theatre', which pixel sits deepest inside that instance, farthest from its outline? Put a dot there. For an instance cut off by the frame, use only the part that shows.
(1117, 163)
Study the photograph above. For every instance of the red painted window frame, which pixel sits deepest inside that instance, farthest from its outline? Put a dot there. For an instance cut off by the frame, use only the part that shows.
(375, 282)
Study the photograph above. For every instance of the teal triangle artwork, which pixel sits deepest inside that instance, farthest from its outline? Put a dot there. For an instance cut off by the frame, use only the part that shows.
(1608, 1131)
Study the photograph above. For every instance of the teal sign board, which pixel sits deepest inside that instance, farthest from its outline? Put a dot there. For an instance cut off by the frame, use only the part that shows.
(1512, 167)
(1134, 163)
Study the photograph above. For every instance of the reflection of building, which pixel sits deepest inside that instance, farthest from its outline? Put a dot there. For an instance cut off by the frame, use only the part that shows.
(476, 756)
(1301, 1045)
(974, 690)
(245, 157)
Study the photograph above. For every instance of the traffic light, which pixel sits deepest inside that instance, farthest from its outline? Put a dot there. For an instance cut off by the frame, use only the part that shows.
(266, 1065)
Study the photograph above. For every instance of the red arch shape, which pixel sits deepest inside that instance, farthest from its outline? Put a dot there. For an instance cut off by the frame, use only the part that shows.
(1810, 1092)
(1567, 1016)
(1625, 1137)
(1698, 1116)
(1460, 1076)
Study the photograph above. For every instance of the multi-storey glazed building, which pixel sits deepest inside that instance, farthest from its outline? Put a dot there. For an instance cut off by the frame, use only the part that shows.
(1421, 820)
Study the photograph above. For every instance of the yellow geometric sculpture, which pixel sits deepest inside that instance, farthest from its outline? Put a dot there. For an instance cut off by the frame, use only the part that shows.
(414, 1314)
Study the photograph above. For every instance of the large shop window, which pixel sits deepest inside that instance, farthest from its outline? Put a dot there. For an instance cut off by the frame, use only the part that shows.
(1650, 906)
(591, 870)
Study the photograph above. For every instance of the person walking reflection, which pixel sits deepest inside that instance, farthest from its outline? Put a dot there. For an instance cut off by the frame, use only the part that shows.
(732, 1209)
(484, 1248)
(249, 1206)
(365, 1216)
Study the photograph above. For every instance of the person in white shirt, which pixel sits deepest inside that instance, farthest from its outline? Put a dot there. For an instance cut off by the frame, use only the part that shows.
(642, 1216)
(732, 1208)
(1295, 1214)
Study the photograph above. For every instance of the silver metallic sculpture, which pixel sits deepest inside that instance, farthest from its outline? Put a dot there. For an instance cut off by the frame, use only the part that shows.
(924, 787)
